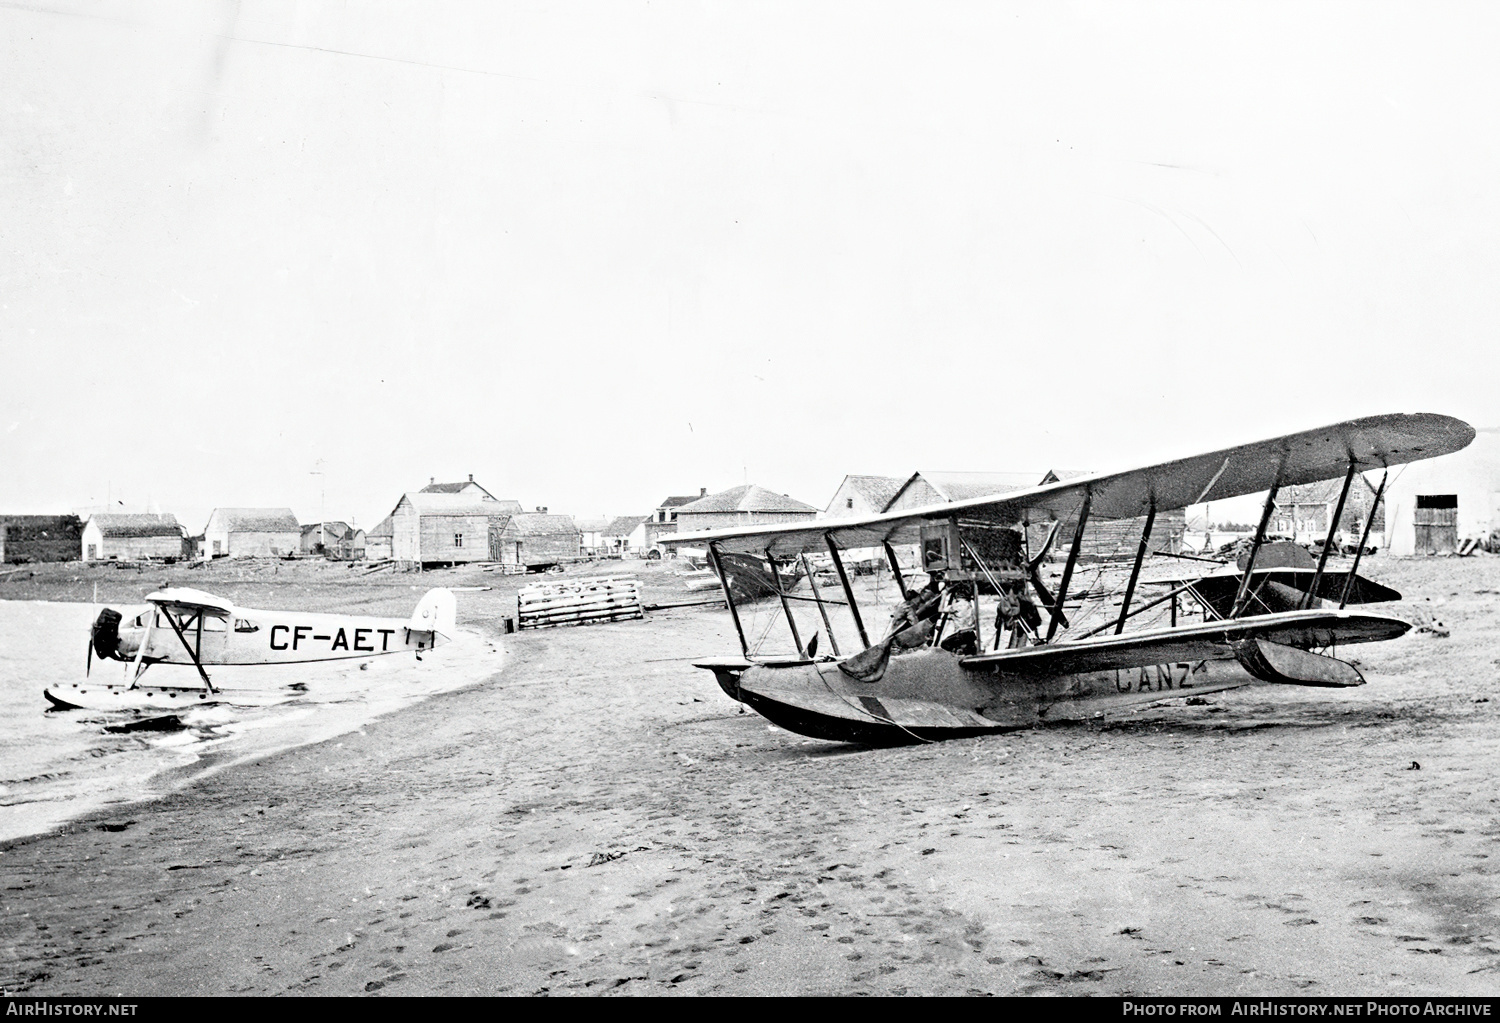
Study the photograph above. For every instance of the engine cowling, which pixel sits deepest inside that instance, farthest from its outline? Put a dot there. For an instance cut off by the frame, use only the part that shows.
(105, 634)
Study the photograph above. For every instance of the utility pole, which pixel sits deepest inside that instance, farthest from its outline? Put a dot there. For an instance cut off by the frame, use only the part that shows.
(322, 516)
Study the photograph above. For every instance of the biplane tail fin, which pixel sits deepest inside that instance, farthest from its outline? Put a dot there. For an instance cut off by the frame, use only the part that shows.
(436, 613)
(1277, 662)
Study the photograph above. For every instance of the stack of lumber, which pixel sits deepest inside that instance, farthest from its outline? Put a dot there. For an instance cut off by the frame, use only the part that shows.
(578, 602)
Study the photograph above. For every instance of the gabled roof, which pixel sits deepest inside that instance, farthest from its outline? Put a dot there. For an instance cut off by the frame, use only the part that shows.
(592, 525)
(458, 504)
(678, 502)
(111, 524)
(876, 490)
(257, 520)
(454, 488)
(746, 498)
(958, 486)
(540, 524)
(387, 527)
(331, 530)
(625, 525)
(1326, 492)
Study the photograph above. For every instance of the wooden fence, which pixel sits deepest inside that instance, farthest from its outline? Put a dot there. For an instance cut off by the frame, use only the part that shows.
(578, 602)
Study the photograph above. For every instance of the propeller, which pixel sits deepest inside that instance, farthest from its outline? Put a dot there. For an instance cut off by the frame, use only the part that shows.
(1033, 567)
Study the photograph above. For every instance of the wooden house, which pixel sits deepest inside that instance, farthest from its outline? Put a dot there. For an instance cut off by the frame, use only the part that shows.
(862, 495)
(1303, 512)
(323, 537)
(378, 541)
(251, 533)
(591, 535)
(742, 506)
(472, 490)
(131, 537)
(538, 540)
(664, 519)
(436, 528)
(625, 537)
(33, 538)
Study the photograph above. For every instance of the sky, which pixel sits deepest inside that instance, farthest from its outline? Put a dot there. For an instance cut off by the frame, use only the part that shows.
(312, 254)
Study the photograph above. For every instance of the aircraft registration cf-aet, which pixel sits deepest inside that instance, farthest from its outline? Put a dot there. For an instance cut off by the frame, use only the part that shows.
(939, 672)
(189, 627)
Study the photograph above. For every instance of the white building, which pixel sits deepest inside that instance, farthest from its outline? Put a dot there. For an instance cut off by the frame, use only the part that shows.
(1430, 506)
(251, 533)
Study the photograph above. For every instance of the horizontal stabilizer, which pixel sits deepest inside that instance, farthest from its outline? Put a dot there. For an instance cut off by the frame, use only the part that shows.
(1273, 662)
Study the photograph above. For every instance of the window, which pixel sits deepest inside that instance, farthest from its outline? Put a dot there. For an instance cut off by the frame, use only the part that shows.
(458, 539)
(241, 625)
(213, 623)
(848, 502)
(93, 552)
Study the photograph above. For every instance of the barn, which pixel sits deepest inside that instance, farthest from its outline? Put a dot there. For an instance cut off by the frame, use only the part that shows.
(33, 538)
(252, 533)
(131, 537)
(436, 528)
(1432, 505)
(742, 506)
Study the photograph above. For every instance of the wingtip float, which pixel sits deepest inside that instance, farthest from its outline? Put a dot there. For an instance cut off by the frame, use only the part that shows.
(929, 675)
(189, 627)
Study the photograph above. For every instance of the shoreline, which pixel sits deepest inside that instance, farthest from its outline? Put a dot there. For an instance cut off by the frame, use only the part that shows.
(597, 818)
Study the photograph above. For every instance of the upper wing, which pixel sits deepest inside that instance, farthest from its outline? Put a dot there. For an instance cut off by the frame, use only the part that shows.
(196, 600)
(1309, 457)
(1209, 641)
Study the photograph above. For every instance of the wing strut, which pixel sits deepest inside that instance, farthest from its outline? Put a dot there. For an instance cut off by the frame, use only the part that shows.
(172, 621)
(734, 612)
(818, 596)
(1242, 597)
(1135, 570)
(1333, 525)
(838, 564)
(1067, 576)
(785, 607)
(890, 553)
(1363, 539)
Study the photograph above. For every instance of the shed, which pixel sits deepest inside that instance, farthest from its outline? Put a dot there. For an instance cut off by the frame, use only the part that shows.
(741, 506)
(538, 540)
(130, 537)
(445, 529)
(252, 533)
(1431, 505)
(32, 538)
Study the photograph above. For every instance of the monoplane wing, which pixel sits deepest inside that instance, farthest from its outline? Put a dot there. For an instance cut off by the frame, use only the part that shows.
(1307, 457)
(1208, 641)
(187, 599)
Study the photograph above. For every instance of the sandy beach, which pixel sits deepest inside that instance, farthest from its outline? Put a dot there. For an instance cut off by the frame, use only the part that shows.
(598, 818)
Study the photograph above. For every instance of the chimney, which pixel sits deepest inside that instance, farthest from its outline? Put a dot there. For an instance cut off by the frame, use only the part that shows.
(702, 491)
(431, 480)
(471, 477)
(541, 509)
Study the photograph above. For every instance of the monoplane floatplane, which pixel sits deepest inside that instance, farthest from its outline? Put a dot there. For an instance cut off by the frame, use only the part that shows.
(189, 627)
(939, 670)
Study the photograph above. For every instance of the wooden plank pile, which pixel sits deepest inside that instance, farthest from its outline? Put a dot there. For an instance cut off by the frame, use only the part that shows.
(578, 602)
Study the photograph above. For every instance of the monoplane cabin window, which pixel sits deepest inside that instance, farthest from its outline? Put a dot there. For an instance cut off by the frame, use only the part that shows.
(213, 623)
(242, 625)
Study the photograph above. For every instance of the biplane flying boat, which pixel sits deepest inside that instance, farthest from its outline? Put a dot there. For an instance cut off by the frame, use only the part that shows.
(189, 627)
(938, 671)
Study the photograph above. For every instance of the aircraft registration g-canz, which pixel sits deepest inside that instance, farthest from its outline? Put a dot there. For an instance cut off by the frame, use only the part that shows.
(915, 684)
(189, 627)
